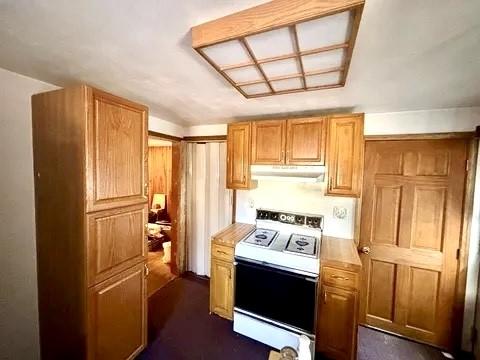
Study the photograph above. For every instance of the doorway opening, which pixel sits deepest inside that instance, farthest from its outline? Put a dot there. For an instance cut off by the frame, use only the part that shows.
(162, 214)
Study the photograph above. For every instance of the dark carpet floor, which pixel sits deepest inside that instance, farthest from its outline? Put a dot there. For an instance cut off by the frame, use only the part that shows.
(180, 328)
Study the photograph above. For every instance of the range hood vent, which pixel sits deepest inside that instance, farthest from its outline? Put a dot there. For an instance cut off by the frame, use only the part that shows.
(291, 173)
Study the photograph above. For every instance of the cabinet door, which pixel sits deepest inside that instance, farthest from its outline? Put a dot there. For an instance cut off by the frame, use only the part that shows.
(337, 323)
(306, 141)
(221, 288)
(117, 316)
(268, 142)
(116, 152)
(345, 155)
(238, 156)
(115, 241)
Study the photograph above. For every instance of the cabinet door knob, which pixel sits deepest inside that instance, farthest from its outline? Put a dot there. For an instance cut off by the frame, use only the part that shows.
(365, 250)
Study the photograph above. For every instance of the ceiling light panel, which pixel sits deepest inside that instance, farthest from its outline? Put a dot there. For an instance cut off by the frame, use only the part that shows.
(280, 68)
(244, 74)
(256, 89)
(287, 84)
(328, 79)
(227, 53)
(324, 60)
(282, 46)
(324, 32)
(271, 43)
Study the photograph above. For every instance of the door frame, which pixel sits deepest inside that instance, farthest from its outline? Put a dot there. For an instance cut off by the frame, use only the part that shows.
(467, 212)
(178, 182)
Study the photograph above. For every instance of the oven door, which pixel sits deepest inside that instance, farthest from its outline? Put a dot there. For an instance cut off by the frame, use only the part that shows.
(276, 294)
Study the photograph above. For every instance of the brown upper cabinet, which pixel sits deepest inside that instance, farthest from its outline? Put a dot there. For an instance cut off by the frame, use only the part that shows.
(268, 142)
(345, 155)
(238, 156)
(116, 147)
(306, 141)
(294, 141)
(335, 141)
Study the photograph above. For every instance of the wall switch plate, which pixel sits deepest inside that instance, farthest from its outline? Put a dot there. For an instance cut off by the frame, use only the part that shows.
(339, 212)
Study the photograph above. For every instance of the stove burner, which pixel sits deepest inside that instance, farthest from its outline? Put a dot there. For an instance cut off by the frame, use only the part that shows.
(261, 237)
(301, 243)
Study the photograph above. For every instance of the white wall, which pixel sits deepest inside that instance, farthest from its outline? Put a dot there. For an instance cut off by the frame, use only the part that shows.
(424, 121)
(18, 276)
(206, 130)
(297, 197)
(165, 127)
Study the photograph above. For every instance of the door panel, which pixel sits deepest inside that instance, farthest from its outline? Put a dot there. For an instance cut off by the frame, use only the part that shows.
(345, 155)
(306, 141)
(411, 221)
(221, 290)
(268, 142)
(335, 315)
(382, 290)
(117, 316)
(428, 217)
(386, 213)
(115, 241)
(422, 297)
(116, 152)
(238, 156)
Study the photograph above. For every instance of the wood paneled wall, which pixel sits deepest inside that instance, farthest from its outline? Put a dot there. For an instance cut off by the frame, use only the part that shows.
(160, 174)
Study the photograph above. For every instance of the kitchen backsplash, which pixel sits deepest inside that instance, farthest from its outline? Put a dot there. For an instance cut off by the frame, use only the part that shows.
(338, 212)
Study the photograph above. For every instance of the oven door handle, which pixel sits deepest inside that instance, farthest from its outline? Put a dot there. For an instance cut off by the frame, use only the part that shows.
(273, 268)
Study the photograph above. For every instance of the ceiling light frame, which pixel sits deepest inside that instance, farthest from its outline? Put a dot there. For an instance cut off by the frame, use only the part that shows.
(274, 15)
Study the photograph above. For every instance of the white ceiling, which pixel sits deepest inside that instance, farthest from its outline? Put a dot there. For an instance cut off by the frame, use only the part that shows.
(410, 55)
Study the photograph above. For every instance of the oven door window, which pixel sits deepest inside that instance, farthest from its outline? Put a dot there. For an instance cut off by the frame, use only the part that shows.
(278, 295)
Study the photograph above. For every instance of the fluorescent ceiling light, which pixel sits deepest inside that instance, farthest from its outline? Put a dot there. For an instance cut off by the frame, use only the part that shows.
(282, 46)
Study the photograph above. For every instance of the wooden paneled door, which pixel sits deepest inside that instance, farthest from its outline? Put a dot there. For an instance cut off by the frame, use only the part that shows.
(410, 233)
(117, 152)
(268, 142)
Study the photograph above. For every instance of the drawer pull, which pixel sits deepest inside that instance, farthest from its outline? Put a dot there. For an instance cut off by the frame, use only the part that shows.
(222, 252)
(339, 277)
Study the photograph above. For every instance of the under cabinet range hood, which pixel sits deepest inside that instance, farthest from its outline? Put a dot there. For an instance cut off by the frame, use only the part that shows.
(291, 173)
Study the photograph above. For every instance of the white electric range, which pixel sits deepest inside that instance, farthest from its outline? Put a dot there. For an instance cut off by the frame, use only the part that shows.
(276, 277)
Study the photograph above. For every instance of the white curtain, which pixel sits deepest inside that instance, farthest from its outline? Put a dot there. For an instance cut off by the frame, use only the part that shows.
(209, 203)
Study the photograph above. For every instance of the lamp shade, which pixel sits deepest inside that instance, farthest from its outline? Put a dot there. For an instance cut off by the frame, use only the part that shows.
(158, 201)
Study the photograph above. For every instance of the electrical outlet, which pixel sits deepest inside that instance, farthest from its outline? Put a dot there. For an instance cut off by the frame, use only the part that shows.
(251, 203)
(339, 212)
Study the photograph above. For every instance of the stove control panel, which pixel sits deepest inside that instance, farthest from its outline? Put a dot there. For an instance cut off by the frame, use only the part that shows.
(291, 218)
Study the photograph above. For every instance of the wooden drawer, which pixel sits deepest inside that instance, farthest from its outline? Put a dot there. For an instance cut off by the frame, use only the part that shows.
(222, 252)
(340, 278)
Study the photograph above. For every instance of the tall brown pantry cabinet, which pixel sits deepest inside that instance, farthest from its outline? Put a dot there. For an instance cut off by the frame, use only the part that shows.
(90, 164)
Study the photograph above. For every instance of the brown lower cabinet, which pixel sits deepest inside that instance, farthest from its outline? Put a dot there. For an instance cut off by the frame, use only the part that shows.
(221, 288)
(337, 314)
(222, 270)
(90, 171)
